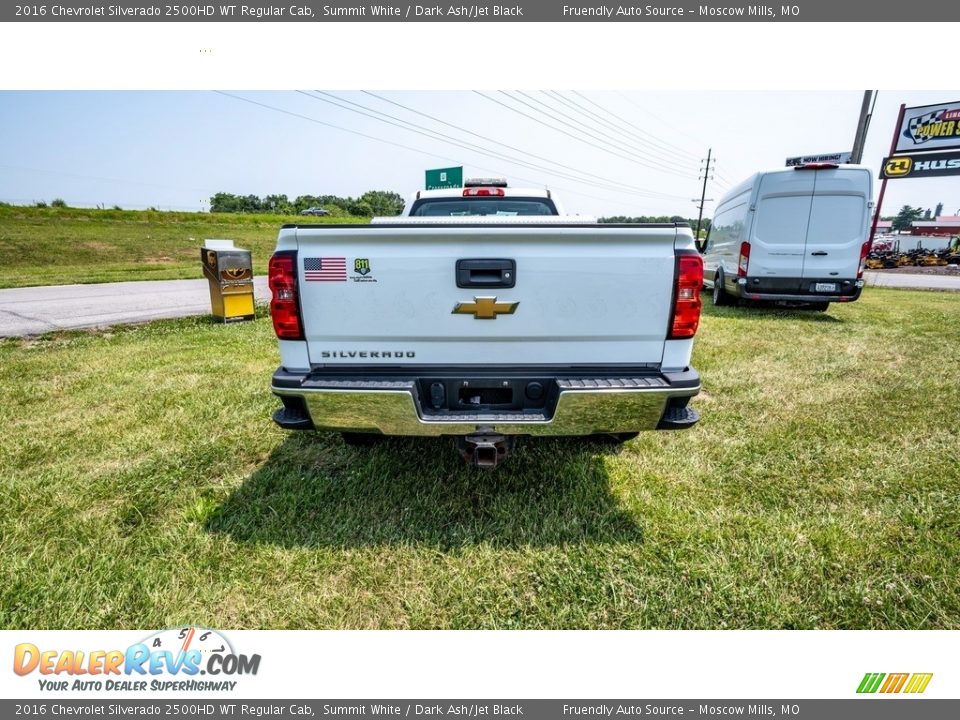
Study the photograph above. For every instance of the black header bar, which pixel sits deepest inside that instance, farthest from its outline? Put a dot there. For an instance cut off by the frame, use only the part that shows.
(853, 11)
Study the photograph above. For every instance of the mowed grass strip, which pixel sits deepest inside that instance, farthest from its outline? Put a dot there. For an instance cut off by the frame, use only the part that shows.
(62, 246)
(143, 485)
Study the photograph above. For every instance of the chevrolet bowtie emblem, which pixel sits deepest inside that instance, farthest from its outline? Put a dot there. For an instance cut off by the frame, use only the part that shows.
(485, 308)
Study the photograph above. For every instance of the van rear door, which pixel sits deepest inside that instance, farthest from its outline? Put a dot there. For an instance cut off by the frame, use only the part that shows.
(839, 221)
(779, 233)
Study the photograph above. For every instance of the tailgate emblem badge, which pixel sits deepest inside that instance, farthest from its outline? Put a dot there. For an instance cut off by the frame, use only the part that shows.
(361, 265)
(485, 308)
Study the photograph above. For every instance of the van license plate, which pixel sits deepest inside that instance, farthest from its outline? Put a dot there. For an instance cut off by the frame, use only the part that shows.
(825, 287)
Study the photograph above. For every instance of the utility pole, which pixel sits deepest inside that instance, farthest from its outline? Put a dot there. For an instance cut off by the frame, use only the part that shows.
(863, 124)
(883, 183)
(703, 198)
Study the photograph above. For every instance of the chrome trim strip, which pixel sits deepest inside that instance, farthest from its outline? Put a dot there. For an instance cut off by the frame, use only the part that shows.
(578, 412)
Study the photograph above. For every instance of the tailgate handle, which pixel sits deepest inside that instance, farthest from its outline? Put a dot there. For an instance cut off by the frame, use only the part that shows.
(483, 273)
(818, 253)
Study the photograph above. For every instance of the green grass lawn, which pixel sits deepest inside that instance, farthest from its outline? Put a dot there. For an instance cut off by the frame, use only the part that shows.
(143, 485)
(59, 246)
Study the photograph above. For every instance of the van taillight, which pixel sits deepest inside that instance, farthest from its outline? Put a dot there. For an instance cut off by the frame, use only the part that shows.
(744, 261)
(864, 251)
(686, 304)
(284, 307)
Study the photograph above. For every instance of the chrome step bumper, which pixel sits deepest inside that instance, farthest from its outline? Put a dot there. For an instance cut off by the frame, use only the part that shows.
(584, 406)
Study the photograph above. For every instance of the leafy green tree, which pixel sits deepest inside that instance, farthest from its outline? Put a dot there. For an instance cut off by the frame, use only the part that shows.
(359, 208)
(906, 217)
(372, 202)
(704, 224)
(224, 203)
(278, 204)
(383, 202)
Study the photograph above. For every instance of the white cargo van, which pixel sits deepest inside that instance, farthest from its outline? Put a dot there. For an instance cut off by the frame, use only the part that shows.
(799, 235)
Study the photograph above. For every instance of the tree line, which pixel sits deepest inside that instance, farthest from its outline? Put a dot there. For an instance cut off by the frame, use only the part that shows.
(371, 203)
(904, 219)
(704, 223)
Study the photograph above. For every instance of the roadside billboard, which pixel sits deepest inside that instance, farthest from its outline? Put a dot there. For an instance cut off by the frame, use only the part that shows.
(918, 165)
(929, 127)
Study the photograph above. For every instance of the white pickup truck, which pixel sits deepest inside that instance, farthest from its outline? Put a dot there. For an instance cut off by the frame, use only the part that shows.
(484, 314)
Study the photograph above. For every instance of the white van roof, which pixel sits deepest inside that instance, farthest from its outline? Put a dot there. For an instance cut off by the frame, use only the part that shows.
(751, 181)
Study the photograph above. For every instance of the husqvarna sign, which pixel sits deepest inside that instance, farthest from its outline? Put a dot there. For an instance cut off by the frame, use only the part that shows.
(921, 165)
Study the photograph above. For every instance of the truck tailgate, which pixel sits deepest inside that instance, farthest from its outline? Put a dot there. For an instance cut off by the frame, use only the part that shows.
(582, 294)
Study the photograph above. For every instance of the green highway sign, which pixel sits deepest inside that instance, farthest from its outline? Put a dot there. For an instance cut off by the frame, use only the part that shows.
(443, 178)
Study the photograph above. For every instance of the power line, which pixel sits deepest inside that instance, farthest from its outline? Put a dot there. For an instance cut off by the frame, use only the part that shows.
(401, 145)
(621, 135)
(668, 124)
(552, 127)
(449, 139)
(720, 178)
(489, 139)
(660, 146)
(578, 126)
(331, 125)
(664, 156)
(665, 122)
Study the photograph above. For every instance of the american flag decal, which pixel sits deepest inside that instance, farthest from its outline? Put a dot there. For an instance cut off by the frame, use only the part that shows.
(325, 269)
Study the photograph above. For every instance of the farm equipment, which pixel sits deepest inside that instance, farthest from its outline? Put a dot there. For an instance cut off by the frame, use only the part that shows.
(888, 255)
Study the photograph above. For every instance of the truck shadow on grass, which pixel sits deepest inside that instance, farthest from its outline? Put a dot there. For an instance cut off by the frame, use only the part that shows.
(314, 491)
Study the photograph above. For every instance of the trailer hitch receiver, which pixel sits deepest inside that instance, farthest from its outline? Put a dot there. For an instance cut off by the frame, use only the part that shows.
(485, 448)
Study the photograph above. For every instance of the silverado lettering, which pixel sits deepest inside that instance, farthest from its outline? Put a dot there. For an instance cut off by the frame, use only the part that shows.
(326, 354)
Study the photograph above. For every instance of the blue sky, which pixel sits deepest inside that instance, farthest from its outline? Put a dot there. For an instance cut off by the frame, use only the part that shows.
(175, 149)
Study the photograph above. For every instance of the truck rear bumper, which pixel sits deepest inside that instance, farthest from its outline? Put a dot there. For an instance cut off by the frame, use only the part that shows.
(798, 289)
(572, 404)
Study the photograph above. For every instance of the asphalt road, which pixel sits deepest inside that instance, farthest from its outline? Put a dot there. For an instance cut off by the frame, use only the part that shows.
(36, 310)
(912, 280)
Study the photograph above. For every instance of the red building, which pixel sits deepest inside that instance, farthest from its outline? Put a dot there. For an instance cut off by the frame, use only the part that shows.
(944, 226)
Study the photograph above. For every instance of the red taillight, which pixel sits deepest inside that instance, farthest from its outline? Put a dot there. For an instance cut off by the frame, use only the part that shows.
(686, 304)
(864, 251)
(744, 261)
(284, 308)
(484, 192)
(816, 166)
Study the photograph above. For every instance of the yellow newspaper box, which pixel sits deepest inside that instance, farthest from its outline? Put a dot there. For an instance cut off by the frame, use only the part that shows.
(229, 272)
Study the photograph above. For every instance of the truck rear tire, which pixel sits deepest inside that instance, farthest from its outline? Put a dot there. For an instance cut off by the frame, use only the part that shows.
(819, 306)
(720, 296)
